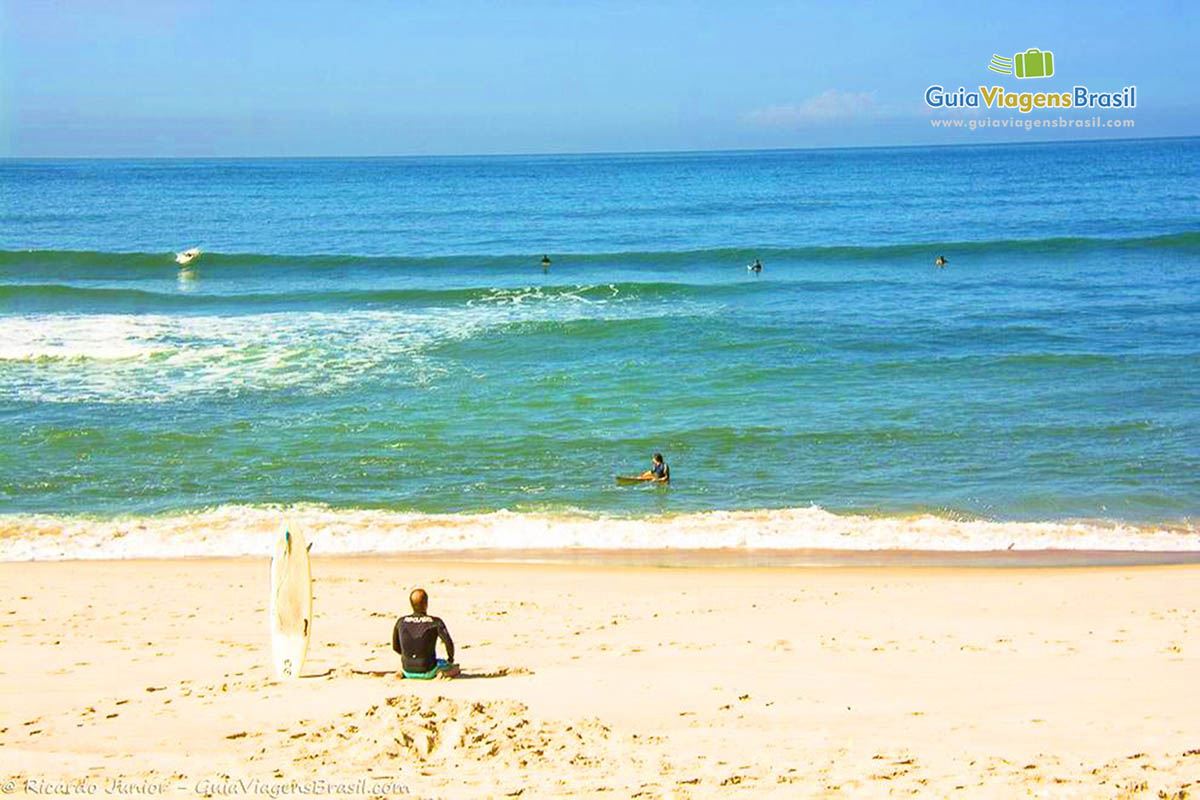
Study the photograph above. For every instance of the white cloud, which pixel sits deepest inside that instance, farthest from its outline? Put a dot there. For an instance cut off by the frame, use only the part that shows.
(829, 106)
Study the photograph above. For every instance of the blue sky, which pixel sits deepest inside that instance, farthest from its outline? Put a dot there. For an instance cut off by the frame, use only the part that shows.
(378, 78)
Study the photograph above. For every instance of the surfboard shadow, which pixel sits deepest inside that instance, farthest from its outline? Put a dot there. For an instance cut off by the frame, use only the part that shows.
(501, 672)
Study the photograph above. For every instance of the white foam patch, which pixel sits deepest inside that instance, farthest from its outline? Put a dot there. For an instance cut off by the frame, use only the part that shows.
(250, 530)
(101, 337)
(154, 357)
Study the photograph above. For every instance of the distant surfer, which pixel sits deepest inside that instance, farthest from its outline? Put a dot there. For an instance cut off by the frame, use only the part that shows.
(659, 472)
(545, 262)
(186, 257)
(415, 638)
(756, 267)
(940, 262)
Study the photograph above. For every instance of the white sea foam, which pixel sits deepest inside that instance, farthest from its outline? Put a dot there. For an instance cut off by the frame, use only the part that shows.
(115, 358)
(250, 530)
(81, 337)
(124, 358)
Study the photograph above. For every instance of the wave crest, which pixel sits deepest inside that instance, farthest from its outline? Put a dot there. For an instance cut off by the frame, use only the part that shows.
(52, 262)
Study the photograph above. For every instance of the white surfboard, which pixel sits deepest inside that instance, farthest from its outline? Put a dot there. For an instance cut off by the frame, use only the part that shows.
(291, 602)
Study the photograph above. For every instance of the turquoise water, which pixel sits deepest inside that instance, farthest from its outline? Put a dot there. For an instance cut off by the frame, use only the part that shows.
(379, 334)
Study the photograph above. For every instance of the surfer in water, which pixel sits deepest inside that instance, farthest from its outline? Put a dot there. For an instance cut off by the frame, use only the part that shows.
(415, 639)
(756, 267)
(659, 472)
(545, 262)
(940, 262)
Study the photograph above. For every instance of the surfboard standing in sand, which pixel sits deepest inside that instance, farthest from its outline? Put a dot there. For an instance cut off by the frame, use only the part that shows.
(291, 603)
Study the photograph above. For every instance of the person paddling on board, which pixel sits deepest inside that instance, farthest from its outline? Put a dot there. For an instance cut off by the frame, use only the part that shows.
(659, 472)
(415, 639)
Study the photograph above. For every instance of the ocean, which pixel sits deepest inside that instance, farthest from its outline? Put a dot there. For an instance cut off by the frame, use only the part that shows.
(373, 347)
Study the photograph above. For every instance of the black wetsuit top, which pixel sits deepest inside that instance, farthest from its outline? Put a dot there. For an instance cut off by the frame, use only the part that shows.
(661, 471)
(415, 639)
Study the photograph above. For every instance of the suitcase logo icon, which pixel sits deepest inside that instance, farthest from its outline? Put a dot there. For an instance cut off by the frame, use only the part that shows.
(1033, 63)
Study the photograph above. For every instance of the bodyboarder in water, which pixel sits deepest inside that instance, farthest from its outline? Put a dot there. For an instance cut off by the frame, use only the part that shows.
(659, 472)
(415, 638)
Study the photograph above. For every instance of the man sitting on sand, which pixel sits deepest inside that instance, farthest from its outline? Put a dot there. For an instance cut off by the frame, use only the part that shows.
(415, 639)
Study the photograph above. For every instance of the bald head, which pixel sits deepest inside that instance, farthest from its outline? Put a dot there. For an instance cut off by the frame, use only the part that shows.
(419, 601)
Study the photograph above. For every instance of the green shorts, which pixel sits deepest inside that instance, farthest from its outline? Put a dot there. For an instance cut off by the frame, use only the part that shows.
(433, 673)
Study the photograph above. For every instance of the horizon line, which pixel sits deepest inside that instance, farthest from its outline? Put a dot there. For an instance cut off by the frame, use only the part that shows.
(571, 154)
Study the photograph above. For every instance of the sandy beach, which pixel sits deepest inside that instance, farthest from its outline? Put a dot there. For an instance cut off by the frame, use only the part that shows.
(152, 677)
(766, 412)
